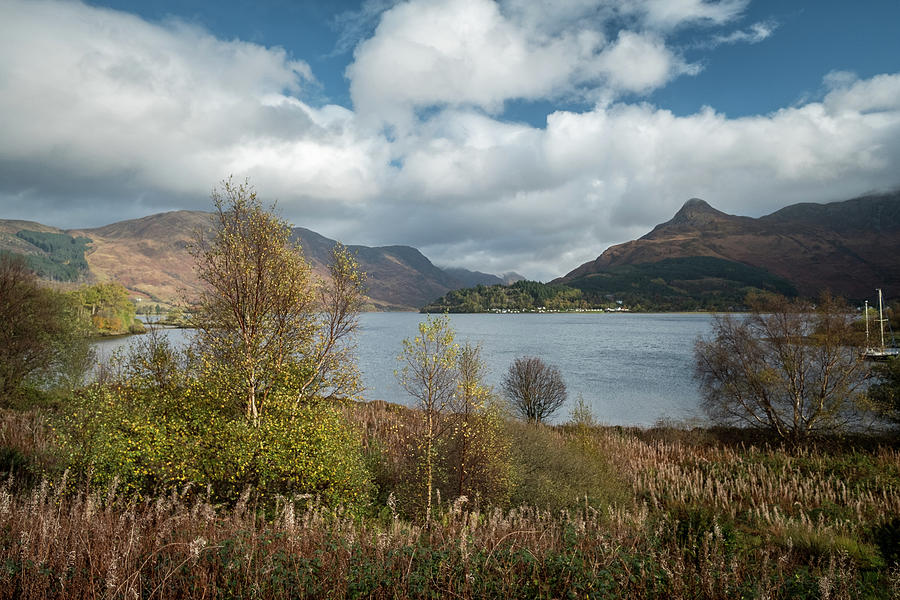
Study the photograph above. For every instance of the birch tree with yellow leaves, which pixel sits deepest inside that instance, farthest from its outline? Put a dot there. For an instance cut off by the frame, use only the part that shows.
(264, 323)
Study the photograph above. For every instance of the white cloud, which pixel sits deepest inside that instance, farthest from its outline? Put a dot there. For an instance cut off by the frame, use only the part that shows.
(757, 33)
(670, 14)
(105, 116)
(639, 63)
(459, 53)
(101, 96)
(880, 93)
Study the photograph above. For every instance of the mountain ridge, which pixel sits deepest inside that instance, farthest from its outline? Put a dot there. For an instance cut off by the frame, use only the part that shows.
(847, 247)
(149, 256)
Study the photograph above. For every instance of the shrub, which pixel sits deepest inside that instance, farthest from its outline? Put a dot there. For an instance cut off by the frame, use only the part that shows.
(788, 367)
(553, 470)
(534, 389)
(155, 426)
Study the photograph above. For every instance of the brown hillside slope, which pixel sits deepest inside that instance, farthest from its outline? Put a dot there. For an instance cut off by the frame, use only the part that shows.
(847, 247)
(149, 256)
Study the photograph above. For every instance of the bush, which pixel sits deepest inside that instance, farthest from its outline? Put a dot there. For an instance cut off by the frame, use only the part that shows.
(535, 390)
(885, 393)
(154, 427)
(554, 470)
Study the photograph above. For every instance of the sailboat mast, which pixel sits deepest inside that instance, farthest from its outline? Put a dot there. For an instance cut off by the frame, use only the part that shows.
(867, 324)
(881, 319)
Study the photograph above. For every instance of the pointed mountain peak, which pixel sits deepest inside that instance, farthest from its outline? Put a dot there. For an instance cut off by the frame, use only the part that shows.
(696, 203)
(696, 212)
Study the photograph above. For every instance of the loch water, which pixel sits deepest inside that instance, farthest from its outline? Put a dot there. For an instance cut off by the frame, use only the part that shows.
(630, 368)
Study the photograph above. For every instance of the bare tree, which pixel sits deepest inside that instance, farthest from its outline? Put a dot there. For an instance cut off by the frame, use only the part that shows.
(535, 389)
(788, 367)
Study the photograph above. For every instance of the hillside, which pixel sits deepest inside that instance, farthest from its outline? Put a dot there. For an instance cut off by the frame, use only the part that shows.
(473, 278)
(849, 247)
(397, 277)
(51, 253)
(149, 256)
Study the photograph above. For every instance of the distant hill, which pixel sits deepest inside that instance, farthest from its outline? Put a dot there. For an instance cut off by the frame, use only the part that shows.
(149, 257)
(467, 278)
(849, 248)
(49, 252)
(397, 277)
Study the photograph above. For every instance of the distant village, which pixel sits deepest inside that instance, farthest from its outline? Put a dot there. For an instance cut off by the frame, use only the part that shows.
(543, 309)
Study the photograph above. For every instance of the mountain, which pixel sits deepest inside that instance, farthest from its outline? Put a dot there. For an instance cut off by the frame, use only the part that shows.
(469, 278)
(149, 256)
(49, 252)
(848, 247)
(397, 277)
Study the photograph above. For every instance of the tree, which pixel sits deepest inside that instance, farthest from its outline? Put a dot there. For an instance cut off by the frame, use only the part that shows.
(469, 400)
(428, 374)
(249, 403)
(263, 323)
(788, 367)
(108, 308)
(333, 371)
(42, 339)
(477, 458)
(535, 389)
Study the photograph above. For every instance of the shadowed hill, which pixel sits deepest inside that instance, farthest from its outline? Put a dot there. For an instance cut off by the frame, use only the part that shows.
(397, 277)
(848, 247)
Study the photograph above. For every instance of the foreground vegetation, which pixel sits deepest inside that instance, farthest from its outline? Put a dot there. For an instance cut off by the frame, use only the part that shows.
(592, 512)
(241, 466)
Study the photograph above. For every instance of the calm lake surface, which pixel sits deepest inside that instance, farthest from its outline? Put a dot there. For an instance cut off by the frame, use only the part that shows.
(632, 369)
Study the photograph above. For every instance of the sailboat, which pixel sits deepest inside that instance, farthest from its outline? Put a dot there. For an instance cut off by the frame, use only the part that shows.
(881, 352)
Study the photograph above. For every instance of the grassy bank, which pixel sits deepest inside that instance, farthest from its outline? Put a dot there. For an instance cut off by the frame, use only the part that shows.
(592, 512)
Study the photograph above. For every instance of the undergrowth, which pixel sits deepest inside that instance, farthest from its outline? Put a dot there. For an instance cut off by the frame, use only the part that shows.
(595, 512)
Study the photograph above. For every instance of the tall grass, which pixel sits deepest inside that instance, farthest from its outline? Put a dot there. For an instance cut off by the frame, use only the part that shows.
(679, 517)
(93, 544)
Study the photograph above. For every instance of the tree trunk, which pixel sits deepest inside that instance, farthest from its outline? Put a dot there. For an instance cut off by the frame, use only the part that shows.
(428, 467)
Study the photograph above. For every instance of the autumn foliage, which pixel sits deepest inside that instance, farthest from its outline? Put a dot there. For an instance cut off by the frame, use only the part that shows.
(254, 403)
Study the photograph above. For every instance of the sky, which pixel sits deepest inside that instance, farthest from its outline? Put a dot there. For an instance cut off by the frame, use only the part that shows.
(510, 135)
